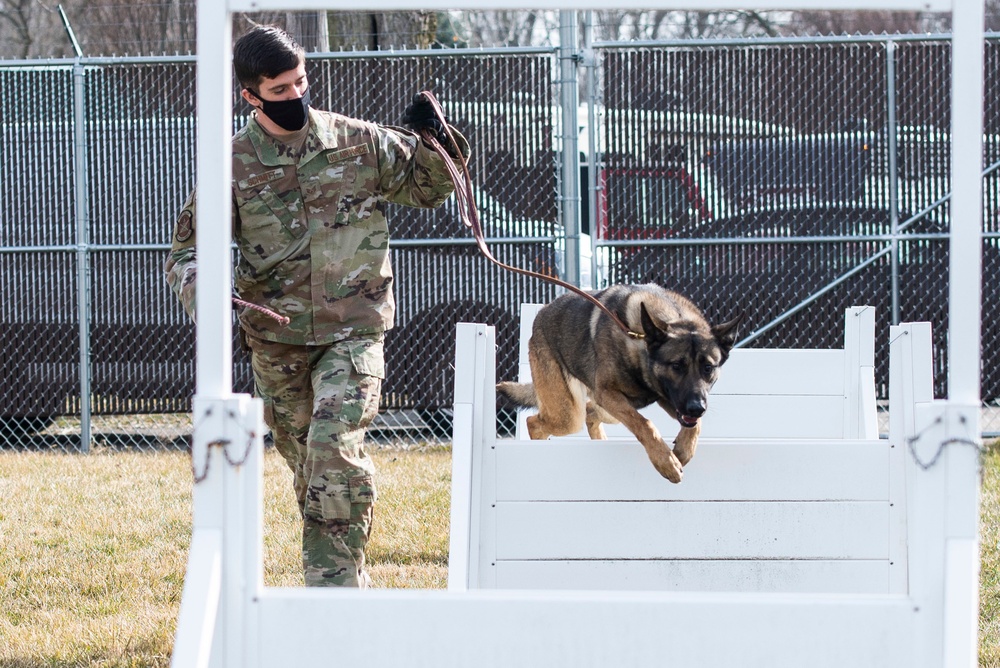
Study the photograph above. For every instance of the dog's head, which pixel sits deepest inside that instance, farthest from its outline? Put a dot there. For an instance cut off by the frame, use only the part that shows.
(684, 360)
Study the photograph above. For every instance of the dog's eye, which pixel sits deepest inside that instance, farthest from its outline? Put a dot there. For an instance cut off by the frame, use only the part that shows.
(707, 368)
(677, 366)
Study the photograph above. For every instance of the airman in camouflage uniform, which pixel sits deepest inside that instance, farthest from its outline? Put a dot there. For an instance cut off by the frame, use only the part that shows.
(309, 220)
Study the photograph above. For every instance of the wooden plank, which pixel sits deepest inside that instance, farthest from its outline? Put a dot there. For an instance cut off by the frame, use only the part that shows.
(780, 371)
(461, 551)
(776, 575)
(756, 416)
(692, 530)
(503, 629)
(776, 416)
(528, 313)
(764, 470)
(198, 619)
(860, 417)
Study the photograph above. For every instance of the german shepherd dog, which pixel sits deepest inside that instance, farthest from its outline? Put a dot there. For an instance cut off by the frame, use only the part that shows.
(585, 369)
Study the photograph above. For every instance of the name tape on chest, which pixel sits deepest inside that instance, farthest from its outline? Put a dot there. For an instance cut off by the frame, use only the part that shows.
(259, 179)
(346, 153)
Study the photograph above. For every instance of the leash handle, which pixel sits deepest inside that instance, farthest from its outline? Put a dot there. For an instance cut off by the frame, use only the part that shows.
(469, 214)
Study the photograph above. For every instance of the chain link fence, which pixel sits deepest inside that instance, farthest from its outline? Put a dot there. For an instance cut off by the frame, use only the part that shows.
(764, 176)
(753, 176)
(92, 201)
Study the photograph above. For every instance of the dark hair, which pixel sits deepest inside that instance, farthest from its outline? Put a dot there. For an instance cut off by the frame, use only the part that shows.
(264, 51)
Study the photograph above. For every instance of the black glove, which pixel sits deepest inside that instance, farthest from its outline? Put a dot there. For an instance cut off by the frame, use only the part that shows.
(419, 115)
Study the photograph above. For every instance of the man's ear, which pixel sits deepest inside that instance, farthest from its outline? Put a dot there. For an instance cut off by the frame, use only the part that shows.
(725, 334)
(248, 96)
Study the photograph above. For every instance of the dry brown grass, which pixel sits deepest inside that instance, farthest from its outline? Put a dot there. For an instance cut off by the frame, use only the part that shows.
(989, 575)
(93, 549)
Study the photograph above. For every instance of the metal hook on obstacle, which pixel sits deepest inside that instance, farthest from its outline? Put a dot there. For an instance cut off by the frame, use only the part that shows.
(221, 443)
(911, 443)
(905, 332)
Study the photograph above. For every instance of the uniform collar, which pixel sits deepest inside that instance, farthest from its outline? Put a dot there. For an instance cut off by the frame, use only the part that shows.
(324, 134)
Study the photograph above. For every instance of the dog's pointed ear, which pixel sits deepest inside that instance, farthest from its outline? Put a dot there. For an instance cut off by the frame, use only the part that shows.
(654, 335)
(726, 332)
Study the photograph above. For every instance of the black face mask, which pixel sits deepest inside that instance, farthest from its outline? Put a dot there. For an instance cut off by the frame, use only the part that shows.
(290, 115)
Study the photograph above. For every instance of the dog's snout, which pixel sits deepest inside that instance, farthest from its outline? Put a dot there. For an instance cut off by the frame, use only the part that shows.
(695, 407)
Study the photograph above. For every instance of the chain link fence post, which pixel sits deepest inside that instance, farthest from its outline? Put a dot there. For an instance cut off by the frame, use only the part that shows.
(892, 140)
(570, 183)
(82, 215)
(589, 63)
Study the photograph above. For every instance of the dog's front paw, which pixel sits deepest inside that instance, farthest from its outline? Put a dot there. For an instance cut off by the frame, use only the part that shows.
(685, 445)
(667, 464)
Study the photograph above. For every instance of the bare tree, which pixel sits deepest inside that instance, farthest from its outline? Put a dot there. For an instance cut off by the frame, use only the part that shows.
(860, 23)
(623, 25)
(14, 21)
(381, 30)
(30, 29)
(507, 28)
(142, 27)
(993, 15)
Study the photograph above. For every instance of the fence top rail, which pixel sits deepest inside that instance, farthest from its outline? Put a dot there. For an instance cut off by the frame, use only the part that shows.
(104, 61)
(94, 61)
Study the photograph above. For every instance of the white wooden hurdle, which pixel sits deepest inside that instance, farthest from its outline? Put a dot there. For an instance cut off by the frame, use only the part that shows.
(773, 514)
(228, 618)
(768, 504)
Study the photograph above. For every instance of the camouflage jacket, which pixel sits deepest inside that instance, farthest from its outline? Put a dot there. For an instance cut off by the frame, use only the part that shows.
(311, 230)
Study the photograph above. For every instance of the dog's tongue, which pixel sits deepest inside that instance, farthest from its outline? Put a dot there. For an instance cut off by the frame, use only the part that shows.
(689, 421)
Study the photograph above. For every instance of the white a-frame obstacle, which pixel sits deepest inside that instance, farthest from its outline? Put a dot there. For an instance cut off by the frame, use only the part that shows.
(228, 618)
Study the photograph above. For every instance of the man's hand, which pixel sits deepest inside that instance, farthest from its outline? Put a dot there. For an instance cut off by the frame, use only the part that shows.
(419, 115)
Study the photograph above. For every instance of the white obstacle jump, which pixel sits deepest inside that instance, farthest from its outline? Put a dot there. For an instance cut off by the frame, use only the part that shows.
(903, 609)
(229, 619)
(780, 514)
(777, 500)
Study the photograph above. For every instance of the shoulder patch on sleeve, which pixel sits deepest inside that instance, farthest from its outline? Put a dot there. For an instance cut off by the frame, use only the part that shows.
(185, 227)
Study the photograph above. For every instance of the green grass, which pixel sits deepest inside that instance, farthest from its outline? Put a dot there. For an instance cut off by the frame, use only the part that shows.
(93, 549)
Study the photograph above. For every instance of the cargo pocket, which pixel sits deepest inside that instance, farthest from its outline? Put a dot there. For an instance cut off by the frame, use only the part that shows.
(368, 360)
(363, 498)
(268, 412)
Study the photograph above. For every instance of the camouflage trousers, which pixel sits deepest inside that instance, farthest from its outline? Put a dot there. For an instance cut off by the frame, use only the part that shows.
(318, 400)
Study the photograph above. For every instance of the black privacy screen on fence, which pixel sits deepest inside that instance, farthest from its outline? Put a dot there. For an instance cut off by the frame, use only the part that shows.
(788, 179)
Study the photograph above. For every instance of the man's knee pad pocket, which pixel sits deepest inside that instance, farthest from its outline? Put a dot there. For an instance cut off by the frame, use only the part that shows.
(363, 497)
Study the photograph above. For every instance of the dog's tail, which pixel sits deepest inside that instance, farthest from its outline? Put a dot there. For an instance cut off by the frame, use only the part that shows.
(522, 394)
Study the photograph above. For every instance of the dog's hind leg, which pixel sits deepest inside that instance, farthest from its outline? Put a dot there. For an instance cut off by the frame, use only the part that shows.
(561, 398)
(596, 418)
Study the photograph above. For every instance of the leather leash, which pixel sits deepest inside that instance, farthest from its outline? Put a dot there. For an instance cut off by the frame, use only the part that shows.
(284, 320)
(469, 214)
